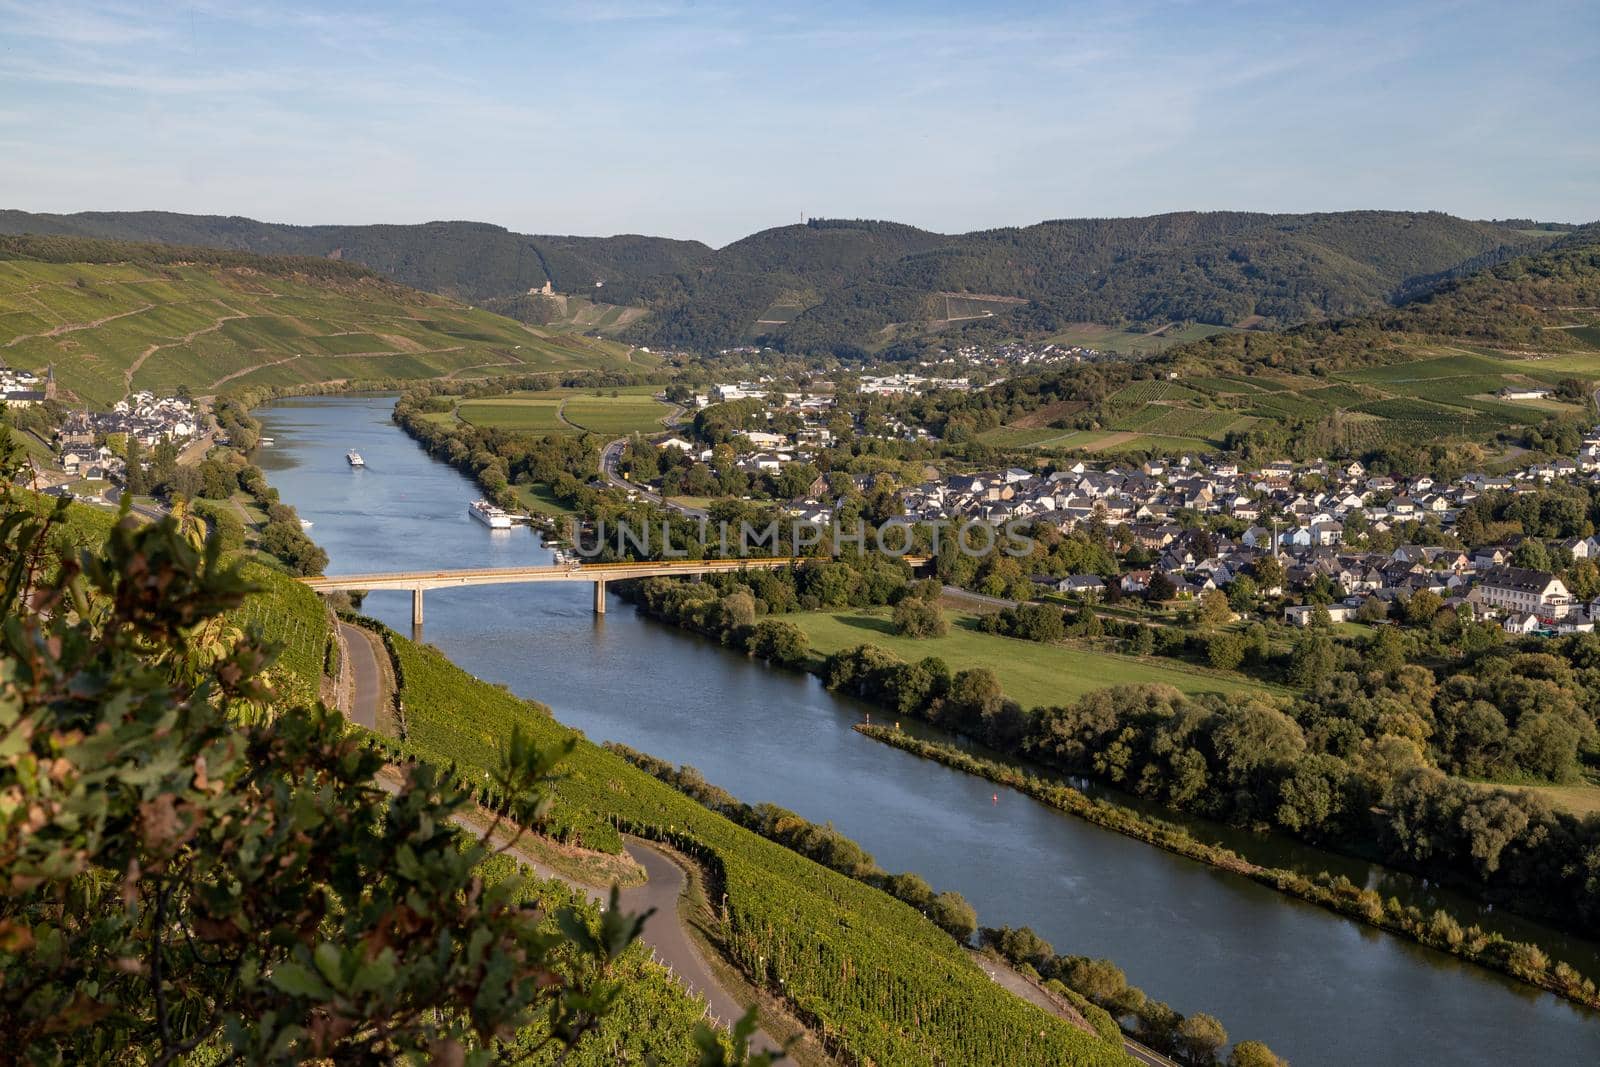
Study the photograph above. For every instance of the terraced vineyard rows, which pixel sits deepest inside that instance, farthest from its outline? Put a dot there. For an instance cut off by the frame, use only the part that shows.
(293, 618)
(107, 327)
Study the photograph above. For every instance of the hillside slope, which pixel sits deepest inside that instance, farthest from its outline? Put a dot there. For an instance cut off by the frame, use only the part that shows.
(113, 317)
(832, 284)
(875, 979)
(1500, 355)
(1222, 268)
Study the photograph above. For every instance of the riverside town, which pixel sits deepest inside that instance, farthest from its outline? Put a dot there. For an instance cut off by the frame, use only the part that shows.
(1022, 536)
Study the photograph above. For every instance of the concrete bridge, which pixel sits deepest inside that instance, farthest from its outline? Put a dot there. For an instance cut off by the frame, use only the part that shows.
(598, 573)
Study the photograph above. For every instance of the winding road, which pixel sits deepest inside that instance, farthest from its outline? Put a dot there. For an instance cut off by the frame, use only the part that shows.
(669, 938)
(609, 458)
(366, 685)
(665, 933)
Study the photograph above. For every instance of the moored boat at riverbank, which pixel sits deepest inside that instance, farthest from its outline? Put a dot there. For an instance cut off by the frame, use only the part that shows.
(491, 516)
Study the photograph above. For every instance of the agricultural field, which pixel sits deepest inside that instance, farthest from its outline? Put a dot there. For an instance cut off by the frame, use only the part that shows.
(1577, 364)
(1022, 436)
(111, 328)
(634, 409)
(962, 306)
(530, 414)
(1030, 673)
(776, 315)
(1115, 443)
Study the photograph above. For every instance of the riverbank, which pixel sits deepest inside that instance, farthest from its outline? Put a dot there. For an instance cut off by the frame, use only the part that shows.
(1523, 961)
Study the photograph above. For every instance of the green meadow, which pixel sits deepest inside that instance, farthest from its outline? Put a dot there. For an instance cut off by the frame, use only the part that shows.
(1030, 673)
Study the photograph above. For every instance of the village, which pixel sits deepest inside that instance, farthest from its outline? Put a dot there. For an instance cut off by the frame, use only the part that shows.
(1181, 513)
(1333, 527)
(92, 447)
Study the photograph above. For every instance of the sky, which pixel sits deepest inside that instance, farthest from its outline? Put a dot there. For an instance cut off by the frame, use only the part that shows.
(707, 120)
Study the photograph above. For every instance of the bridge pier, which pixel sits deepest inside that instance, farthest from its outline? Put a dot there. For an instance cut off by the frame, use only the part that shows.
(416, 606)
(599, 598)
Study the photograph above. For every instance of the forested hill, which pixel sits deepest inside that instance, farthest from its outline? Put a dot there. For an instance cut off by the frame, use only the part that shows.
(469, 260)
(1224, 268)
(1531, 305)
(838, 284)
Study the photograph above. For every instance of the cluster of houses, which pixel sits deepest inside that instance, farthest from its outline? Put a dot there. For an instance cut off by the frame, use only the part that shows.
(1295, 512)
(1018, 354)
(142, 417)
(25, 388)
(906, 383)
(757, 451)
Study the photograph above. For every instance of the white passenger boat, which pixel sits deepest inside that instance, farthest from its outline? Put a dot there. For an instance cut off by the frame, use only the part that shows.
(491, 516)
(355, 459)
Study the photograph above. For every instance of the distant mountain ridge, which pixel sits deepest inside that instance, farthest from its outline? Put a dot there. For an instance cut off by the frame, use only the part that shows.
(468, 260)
(843, 285)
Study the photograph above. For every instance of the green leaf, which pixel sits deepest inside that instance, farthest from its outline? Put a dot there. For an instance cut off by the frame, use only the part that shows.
(297, 980)
(330, 961)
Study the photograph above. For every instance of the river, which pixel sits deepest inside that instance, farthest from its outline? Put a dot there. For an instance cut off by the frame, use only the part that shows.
(1318, 988)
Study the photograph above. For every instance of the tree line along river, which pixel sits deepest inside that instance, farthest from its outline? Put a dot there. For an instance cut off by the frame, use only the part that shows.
(1320, 989)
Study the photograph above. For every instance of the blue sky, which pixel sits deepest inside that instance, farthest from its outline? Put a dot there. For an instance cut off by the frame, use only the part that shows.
(711, 120)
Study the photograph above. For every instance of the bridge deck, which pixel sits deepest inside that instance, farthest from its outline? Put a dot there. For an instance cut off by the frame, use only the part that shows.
(576, 572)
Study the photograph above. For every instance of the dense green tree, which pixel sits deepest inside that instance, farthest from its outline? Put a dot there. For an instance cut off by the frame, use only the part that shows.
(1213, 609)
(779, 642)
(915, 617)
(1199, 1037)
(1254, 1054)
(951, 912)
(1225, 651)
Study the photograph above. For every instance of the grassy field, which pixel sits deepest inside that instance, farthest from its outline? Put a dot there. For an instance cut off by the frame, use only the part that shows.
(1579, 798)
(530, 414)
(633, 410)
(540, 500)
(109, 328)
(1032, 674)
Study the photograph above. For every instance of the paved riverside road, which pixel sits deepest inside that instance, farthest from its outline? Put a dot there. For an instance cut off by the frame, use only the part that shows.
(366, 688)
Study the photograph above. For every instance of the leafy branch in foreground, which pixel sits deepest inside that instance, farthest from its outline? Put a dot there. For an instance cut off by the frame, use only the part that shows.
(190, 867)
